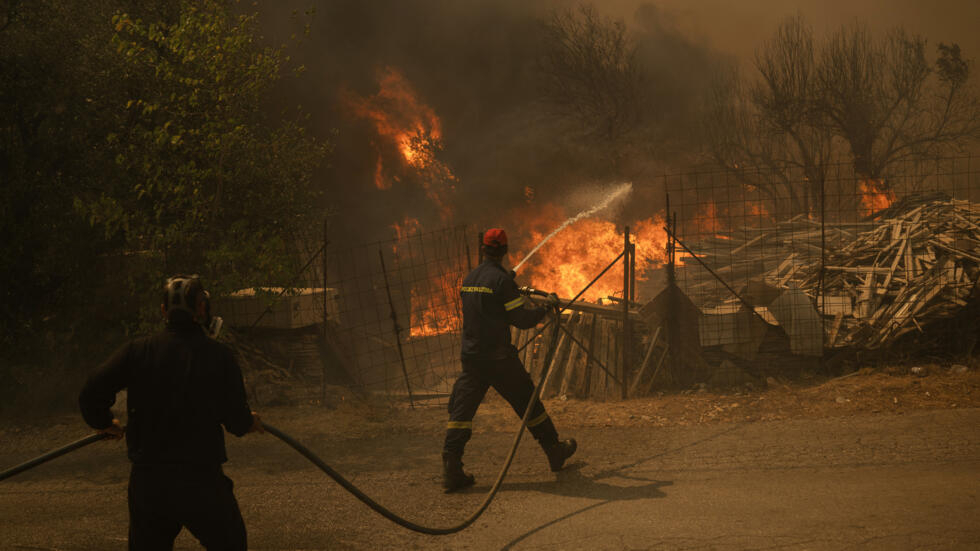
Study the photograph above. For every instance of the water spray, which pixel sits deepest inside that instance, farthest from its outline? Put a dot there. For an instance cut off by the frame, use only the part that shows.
(618, 192)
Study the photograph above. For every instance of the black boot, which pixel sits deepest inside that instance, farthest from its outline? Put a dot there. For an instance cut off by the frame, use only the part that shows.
(453, 477)
(559, 451)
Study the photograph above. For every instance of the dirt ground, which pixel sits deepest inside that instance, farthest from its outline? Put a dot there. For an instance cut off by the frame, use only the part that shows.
(887, 391)
(877, 459)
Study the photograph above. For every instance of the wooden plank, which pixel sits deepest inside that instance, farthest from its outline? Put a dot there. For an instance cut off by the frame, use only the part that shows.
(859, 269)
(599, 375)
(568, 371)
(747, 244)
(835, 328)
(955, 251)
(656, 371)
(555, 361)
(587, 384)
(898, 256)
(646, 362)
(574, 380)
(614, 357)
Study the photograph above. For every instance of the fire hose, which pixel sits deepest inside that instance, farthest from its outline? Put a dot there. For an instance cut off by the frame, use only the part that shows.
(337, 477)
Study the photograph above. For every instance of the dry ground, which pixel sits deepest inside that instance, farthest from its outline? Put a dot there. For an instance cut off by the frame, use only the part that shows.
(888, 391)
(875, 460)
(892, 391)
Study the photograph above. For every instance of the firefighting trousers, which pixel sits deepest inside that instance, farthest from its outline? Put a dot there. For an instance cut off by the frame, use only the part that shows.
(165, 498)
(509, 378)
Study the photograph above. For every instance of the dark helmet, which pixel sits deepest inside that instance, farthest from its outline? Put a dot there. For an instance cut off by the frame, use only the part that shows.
(495, 242)
(180, 296)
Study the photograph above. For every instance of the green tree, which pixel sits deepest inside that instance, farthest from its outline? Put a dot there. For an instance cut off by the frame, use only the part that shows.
(137, 140)
(204, 177)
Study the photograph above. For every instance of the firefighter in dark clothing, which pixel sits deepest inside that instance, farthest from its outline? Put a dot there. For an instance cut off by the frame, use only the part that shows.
(182, 387)
(491, 304)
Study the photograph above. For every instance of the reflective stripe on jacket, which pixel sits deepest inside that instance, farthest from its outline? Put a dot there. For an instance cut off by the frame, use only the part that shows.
(491, 304)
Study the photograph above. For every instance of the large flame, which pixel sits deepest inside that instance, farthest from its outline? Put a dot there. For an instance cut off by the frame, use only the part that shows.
(406, 125)
(875, 196)
(397, 113)
(573, 257)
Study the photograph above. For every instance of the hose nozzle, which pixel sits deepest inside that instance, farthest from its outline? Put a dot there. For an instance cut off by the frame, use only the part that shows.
(528, 291)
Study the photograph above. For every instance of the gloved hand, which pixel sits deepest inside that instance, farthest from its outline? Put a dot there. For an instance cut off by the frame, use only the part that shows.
(115, 431)
(553, 302)
(257, 425)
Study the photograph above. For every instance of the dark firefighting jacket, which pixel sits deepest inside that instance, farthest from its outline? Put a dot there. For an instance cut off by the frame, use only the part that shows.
(182, 387)
(491, 304)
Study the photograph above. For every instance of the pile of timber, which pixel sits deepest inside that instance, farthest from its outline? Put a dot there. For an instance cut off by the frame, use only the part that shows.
(909, 265)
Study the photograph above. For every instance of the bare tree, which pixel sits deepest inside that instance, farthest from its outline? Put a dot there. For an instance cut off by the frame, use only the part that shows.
(873, 92)
(590, 72)
(879, 101)
(774, 122)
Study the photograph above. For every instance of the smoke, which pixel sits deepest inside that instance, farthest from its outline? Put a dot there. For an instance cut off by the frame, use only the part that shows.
(477, 65)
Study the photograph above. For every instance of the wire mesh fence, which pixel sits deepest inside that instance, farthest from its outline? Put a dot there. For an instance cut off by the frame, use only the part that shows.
(776, 273)
(791, 267)
(396, 322)
(378, 318)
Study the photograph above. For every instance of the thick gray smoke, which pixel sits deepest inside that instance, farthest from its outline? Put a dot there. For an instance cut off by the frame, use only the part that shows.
(477, 65)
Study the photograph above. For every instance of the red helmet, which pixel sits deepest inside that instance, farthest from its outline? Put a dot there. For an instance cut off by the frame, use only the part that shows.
(495, 237)
(495, 242)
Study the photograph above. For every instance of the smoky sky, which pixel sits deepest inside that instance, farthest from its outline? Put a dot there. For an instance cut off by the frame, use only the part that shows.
(476, 63)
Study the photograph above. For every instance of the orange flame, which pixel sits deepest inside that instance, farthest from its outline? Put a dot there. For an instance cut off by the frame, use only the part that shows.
(707, 221)
(379, 176)
(435, 313)
(397, 113)
(573, 257)
(406, 228)
(875, 196)
(412, 129)
(528, 194)
(759, 211)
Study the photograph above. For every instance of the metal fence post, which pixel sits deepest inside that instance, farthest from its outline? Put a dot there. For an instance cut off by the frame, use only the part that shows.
(479, 249)
(626, 311)
(398, 329)
(323, 372)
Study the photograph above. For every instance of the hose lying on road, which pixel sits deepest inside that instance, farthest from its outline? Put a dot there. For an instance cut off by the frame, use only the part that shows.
(354, 490)
(51, 455)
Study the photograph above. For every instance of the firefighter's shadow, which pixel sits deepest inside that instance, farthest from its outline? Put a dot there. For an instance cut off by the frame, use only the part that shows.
(571, 482)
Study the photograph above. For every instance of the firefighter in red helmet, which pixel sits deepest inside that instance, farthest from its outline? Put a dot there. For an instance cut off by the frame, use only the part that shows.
(491, 304)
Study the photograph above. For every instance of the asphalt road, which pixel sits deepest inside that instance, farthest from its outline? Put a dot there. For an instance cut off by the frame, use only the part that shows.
(866, 482)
